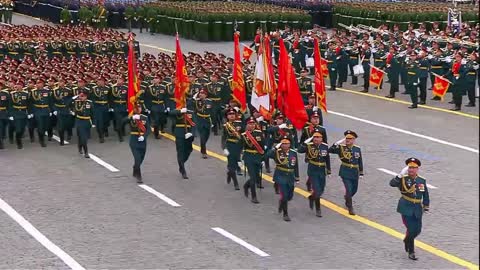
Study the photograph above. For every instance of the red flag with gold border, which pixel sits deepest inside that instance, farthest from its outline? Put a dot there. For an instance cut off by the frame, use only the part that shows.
(319, 80)
(238, 83)
(182, 83)
(133, 81)
(440, 86)
(376, 76)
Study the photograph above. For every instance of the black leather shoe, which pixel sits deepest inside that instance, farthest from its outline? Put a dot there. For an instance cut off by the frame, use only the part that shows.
(470, 105)
(255, 201)
(389, 96)
(310, 202)
(412, 256)
(286, 218)
(184, 176)
(455, 109)
(412, 106)
(237, 188)
(422, 103)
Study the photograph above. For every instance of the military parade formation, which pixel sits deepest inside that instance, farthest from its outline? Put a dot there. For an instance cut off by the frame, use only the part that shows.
(66, 78)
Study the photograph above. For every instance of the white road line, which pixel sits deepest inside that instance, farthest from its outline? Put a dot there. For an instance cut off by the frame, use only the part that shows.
(160, 195)
(155, 47)
(28, 227)
(394, 174)
(56, 138)
(103, 163)
(240, 242)
(407, 132)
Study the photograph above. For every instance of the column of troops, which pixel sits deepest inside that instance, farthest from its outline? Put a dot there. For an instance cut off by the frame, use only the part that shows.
(410, 58)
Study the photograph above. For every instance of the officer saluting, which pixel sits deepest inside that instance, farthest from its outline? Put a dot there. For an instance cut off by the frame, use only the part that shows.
(352, 165)
(139, 129)
(414, 201)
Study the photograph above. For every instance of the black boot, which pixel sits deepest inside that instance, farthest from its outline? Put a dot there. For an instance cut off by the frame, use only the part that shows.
(235, 181)
(134, 174)
(310, 202)
(80, 149)
(101, 137)
(106, 133)
(50, 134)
(245, 189)
(285, 211)
(41, 138)
(69, 135)
(318, 212)
(85, 149)
(120, 137)
(349, 204)
(406, 243)
(309, 185)
(411, 251)
(259, 183)
(267, 166)
(275, 186)
(229, 177)
(62, 137)
(1, 144)
(139, 176)
(155, 133)
(280, 206)
(31, 134)
(19, 143)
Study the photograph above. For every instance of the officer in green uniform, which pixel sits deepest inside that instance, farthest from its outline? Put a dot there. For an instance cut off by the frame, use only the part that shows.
(42, 102)
(65, 16)
(129, 15)
(286, 173)
(140, 15)
(119, 105)
(19, 112)
(183, 137)
(253, 151)
(353, 54)
(393, 68)
(100, 96)
(305, 84)
(412, 79)
(4, 107)
(62, 96)
(31, 123)
(437, 66)
(232, 145)
(424, 66)
(139, 130)
(2, 10)
(414, 202)
(351, 168)
(365, 55)
(82, 109)
(151, 19)
(263, 126)
(342, 63)
(298, 54)
(379, 57)
(216, 95)
(203, 110)
(156, 97)
(331, 58)
(318, 159)
(471, 69)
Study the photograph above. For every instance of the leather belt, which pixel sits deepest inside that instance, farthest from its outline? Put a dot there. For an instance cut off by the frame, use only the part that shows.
(349, 165)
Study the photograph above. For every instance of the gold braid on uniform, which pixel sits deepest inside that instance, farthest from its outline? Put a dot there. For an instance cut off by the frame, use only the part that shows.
(231, 130)
(81, 107)
(312, 152)
(35, 95)
(345, 154)
(410, 190)
(280, 161)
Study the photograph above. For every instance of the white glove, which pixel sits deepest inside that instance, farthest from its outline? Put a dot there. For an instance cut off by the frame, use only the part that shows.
(136, 117)
(448, 59)
(72, 113)
(260, 119)
(141, 139)
(333, 69)
(282, 126)
(50, 114)
(457, 77)
(475, 67)
(278, 145)
(75, 97)
(147, 111)
(195, 96)
(110, 110)
(240, 164)
(464, 61)
(10, 118)
(403, 172)
(183, 110)
(340, 141)
(55, 113)
(430, 56)
(236, 109)
(168, 109)
(315, 108)
(308, 140)
(225, 152)
(415, 83)
(188, 135)
(30, 116)
(263, 164)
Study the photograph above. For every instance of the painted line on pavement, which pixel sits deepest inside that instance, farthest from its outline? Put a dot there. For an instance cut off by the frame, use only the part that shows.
(407, 132)
(160, 195)
(42, 239)
(239, 241)
(395, 174)
(56, 138)
(473, 116)
(155, 47)
(342, 211)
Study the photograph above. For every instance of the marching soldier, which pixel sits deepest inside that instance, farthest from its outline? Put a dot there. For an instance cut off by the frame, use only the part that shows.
(82, 109)
(342, 63)
(351, 168)
(41, 100)
(100, 97)
(412, 79)
(4, 107)
(286, 173)
(263, 126)
(216, 94)
(437, 66)
(8, 7)
(331, 58)
(31, 123)
(156, 103)
(139, 129)
(119, 106)
(232, 145)
(203, 120)
(62, 96)
(414, 202)
(318, 159)
(19, 111)
(183, 137)
(305, 84)
(471, 68)
(253, 151)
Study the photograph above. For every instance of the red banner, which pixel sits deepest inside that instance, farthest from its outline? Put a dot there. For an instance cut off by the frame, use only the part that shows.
(238, 84)
(320, 91)
(440, 86)
(133, 81)
(182, 83)
(376, 76)
(247, 52)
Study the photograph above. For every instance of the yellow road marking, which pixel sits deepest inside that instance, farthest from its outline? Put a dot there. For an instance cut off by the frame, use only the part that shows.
(344, 212)
(408, 103)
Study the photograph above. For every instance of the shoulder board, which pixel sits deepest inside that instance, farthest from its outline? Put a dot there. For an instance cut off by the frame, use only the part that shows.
(76, 87)
(324, 144)
(421, 177)
(89, 100)
(356, 146)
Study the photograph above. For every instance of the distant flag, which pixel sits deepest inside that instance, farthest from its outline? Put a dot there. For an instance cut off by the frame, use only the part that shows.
(319, 80)
(182, 83)
(133, 81)
(376, 76)
(238, 83)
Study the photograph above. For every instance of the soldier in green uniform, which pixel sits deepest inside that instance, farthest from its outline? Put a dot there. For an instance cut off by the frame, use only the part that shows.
(4, 107)
(8, 7)
(305, 84)
(414, 202)
(216, 94)
(151, 19)
(353, 54)
(41, 102)
(119, 105)
(342, 62)
(331, 58)
(129, 15)
(318, 159)
(393, 71)
(298, 54)
(62, 96)
(31, 123)
(139, 130)
(263, 126)
(140, 15)
(232, 145)
(471, 69)
(253, 151)
(183, 137)
(156, 103)
(203, 110)
(351, 168)
(437, 66)
(100, 97)
(424, 66)
(379, 58)
(19, 112)
(2, 10)
(82, 109)
(365, 55)
(286, 173)
(412, 79)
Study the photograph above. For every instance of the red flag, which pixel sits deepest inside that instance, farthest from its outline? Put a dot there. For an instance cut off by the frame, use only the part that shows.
(133, 81)
(238, 84)
(262, 96)
(247, 52)
(319, 78)
(376, 76)
(440, 86)
(182, 82)
(324, 66)
(294, 109)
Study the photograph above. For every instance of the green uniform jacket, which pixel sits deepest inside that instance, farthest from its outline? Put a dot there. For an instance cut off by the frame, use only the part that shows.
(415, 195)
